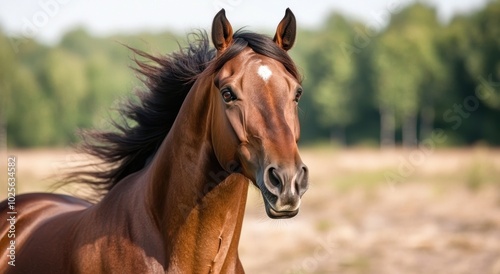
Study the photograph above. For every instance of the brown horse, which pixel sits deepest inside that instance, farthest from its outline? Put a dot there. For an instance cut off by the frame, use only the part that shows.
(175, 182)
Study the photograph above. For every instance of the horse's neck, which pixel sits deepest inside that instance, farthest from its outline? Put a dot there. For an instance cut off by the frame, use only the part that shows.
(207, 240)
(197, 206)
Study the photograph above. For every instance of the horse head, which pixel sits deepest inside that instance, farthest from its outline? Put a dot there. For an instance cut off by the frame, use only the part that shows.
(256, 90)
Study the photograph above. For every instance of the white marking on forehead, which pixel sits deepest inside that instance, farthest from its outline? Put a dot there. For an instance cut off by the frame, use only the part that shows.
(264, 72)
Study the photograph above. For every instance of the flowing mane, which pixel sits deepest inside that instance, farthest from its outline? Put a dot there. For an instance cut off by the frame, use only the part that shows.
(147, 121)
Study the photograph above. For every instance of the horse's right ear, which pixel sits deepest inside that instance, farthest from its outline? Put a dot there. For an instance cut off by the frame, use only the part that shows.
(286, 31)
(222, 32)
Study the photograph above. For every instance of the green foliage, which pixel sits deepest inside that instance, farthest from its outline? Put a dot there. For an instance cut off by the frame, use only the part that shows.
(49, 93)
(416, 72)
(333, 94)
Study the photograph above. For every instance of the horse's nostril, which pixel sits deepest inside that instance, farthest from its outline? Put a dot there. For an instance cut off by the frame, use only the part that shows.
(272, 181)
(274, 177)
(289, 182)
(302, 180)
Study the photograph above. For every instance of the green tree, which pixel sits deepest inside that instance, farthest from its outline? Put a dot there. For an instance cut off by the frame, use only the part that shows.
(331, 76)
(471, 47)
(483, 58)
(7, 69)
(64, 82)
(407, 72)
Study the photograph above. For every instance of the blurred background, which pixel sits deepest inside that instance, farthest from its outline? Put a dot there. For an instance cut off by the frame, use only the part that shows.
(400, 119)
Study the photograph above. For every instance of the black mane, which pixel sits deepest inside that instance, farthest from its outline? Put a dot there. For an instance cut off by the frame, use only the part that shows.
(168, 80)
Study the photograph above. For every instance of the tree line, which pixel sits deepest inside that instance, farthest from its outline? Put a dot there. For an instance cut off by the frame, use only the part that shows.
(362, 85)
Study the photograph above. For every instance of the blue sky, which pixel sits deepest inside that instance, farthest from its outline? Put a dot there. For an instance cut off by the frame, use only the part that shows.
(48, 20)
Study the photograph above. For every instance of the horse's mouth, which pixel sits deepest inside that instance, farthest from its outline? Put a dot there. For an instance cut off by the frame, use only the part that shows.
(274, 214)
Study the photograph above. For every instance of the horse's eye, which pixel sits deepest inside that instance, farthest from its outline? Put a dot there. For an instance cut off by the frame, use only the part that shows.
(298, 94)
(228, 95)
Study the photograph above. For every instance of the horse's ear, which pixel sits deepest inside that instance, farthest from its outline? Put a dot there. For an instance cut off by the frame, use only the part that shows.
(222, 32)
(286, 31)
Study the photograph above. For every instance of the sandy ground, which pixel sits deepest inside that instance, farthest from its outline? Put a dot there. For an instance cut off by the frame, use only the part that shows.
(414, 211)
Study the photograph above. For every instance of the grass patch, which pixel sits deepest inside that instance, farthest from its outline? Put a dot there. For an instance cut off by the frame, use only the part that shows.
(323, 225)
(368, 180)
(481, 173)
(359, 264)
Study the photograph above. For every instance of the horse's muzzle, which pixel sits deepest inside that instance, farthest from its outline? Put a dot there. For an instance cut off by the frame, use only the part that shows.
(282, 189)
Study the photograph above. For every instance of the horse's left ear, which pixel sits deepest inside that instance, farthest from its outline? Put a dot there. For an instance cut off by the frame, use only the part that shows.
(286, 31)
(222, 32)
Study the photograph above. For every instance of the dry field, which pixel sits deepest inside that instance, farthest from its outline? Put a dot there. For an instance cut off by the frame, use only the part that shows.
(366, 212)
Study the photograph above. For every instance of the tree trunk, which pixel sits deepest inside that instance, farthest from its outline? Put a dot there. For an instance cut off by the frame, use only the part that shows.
(410, 138)
(387, 128)
(427, 122)
(337, 136)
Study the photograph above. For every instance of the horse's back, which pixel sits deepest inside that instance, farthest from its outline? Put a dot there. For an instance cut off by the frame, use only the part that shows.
(22, 229)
